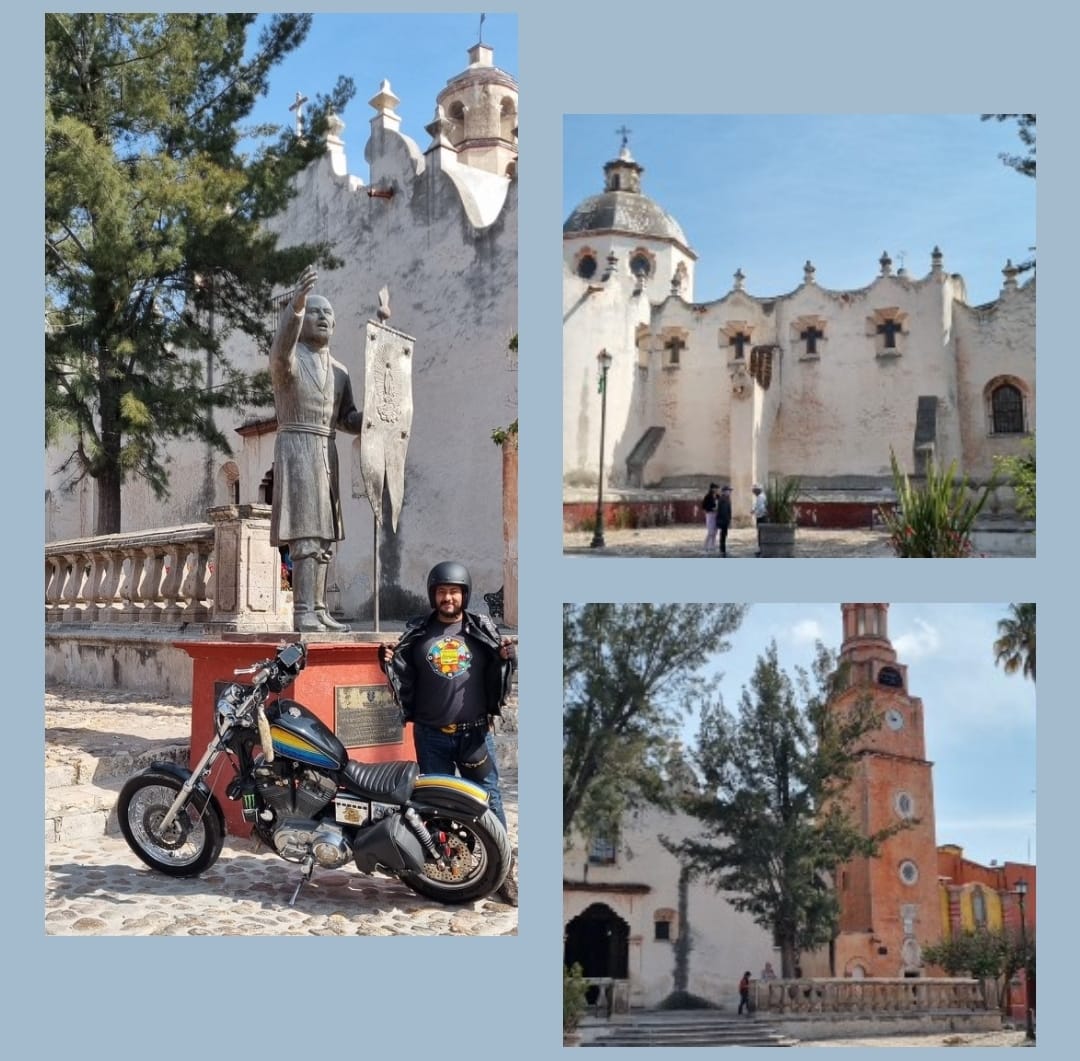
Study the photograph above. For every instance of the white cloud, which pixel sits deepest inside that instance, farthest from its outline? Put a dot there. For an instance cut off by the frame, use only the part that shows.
(807, 632)
(922, 642)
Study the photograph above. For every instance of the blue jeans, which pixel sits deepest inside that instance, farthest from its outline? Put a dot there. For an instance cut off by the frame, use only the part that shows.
(471, 751)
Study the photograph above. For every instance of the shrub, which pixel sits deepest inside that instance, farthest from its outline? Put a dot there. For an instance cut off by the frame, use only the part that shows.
(1019, 471)
(782, 498)
(574, 988)
(936, 519)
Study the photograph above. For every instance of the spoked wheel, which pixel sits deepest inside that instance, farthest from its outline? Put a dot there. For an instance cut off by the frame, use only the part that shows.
(477, 856)
(190, 845)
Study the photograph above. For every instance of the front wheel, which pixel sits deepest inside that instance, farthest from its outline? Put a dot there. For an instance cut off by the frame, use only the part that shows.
(190, 845)
(477, 857)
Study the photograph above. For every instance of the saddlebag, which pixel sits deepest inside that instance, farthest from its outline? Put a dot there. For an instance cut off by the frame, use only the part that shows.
(388, 844)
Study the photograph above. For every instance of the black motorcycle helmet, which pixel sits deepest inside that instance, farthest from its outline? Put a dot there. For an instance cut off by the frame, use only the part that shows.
(449, 573)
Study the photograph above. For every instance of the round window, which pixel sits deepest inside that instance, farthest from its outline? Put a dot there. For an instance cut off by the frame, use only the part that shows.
(904, 804)
(640, 266)
(909, 872)
(586, 267)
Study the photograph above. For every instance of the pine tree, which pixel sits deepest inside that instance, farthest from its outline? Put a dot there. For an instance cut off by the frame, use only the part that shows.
(156, 247)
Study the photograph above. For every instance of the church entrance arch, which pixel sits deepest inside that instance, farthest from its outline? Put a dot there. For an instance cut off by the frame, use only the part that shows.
(599, 941)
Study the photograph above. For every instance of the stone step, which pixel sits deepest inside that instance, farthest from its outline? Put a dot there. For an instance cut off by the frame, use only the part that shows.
(81, 788)
(703, 1030)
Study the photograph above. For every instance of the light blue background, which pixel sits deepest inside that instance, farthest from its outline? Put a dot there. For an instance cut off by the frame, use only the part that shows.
(467, 998)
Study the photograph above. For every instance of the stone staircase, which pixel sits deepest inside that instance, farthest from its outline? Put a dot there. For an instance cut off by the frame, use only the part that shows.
(687, 1028)
(83, 780)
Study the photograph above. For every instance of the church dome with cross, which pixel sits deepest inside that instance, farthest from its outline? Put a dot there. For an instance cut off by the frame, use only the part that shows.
(623, 207)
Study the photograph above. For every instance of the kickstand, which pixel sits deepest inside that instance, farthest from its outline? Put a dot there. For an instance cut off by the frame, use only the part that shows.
(309, 868)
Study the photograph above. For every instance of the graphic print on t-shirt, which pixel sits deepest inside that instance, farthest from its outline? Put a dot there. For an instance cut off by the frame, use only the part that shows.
(449, 656)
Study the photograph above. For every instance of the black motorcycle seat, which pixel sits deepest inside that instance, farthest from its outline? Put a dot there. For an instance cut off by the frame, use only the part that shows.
(383, 782)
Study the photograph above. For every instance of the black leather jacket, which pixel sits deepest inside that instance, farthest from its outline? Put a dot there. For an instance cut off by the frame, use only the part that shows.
(401, 672)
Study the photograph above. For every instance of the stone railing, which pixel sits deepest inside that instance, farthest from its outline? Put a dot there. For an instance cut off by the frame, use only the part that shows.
(877, 995)
(606, 995)
(223, 572)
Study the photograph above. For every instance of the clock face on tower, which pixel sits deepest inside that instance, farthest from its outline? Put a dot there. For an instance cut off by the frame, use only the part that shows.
(893, 719)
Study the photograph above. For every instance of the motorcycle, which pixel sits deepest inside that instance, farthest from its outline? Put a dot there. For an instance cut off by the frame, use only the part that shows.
(311, 804)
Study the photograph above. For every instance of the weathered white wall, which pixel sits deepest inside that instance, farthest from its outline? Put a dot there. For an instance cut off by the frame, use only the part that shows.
(725, 943)
(445, 245)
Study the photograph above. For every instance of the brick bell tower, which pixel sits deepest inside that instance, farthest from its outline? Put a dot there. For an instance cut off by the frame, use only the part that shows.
(889, 905)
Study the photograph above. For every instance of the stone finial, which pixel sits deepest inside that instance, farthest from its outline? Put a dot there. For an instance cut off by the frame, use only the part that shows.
(808, 272)
(334, 126)
(886, 264)
(439, 129)
(740, 278)
(612, 260)
(384, 101)
(1010, 272)
(935, 261)
(383, 312)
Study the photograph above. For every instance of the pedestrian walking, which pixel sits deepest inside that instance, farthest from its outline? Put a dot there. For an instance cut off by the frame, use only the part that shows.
(759, 509)
(744, 992)
(709, 505)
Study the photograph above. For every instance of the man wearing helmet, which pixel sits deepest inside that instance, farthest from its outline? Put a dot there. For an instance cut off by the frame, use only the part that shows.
(450, 673)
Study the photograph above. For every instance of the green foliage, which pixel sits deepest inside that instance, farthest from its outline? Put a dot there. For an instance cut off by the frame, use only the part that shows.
(155, 237)
(1019, 472)
(1014, 648)
(774, 827)
(1025, 129)
(575, 988)
(782, 498)
(935, 519)
(630, 673)
(685, 1000)
(984, 955)
(500, 435)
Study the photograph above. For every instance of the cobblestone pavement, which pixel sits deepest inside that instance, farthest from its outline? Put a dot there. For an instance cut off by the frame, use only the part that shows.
(96, 886)
(688, 540)
(1001, 1038)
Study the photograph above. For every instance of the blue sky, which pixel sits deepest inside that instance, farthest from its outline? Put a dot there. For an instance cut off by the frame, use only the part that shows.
(980, 722)
(766, 192)
(418, 54)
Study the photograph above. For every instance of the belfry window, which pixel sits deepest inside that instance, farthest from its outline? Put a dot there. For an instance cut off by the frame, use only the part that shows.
(586, 266)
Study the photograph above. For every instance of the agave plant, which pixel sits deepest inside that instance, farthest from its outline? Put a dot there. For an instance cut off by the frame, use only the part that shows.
(936, 518)
(783, 497)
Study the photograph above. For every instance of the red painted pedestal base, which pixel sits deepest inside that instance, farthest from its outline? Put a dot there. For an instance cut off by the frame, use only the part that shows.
(330, 666)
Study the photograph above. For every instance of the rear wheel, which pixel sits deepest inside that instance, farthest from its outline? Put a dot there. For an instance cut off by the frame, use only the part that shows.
(190, 845)
(476, 856)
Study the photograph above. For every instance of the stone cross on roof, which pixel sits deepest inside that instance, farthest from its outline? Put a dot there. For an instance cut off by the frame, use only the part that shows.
(298, 106)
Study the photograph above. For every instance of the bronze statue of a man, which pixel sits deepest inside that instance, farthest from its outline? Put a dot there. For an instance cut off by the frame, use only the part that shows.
(312, 398)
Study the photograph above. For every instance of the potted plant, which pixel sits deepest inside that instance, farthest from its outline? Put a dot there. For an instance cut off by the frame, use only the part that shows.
(776, 534)
(575, 987)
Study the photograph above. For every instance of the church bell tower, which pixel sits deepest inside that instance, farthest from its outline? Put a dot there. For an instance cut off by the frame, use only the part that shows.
(889, 904)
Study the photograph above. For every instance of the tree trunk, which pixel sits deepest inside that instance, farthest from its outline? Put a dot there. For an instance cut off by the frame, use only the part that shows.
(107, 489)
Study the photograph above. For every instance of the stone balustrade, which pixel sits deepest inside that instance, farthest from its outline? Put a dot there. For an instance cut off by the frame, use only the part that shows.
(901, 996)
(606, 995)
(224, 572)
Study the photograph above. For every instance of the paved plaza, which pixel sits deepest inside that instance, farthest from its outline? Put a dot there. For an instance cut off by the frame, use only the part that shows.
(95, 886)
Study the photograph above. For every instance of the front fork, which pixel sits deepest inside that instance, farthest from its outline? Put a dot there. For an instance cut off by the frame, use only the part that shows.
(213, 750)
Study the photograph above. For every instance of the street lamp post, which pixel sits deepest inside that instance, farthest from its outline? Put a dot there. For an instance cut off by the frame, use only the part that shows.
(1021, 893)
(603, 359)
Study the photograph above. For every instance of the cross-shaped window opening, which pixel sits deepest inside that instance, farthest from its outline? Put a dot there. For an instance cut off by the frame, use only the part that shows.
(739, 341)
(890, 329)
(810, 336)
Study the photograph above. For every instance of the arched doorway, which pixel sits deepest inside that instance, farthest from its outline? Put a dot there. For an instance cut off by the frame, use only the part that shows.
(599, 941)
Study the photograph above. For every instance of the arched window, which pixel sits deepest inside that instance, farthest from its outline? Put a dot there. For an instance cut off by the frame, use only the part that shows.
(1007, 410)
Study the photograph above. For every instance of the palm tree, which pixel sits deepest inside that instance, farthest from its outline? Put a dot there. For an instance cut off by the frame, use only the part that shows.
(1015, 646)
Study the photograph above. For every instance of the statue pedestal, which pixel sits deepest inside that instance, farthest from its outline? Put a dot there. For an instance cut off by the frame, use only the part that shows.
(342, 684)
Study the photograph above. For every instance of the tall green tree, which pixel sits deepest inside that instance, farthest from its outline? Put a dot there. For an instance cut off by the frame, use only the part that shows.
(1014, 648)
(155, 237)
(774, 823)
(630, 673)
(984, 955)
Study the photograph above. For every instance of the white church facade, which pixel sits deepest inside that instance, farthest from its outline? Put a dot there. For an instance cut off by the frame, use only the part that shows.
(816, 383)
(437, 226)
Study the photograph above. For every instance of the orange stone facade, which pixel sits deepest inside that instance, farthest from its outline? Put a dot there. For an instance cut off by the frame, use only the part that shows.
(890, 905)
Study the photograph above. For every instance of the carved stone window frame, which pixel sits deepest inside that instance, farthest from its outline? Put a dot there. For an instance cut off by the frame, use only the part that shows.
(726, 338)
(991, 388)
(665, 916)
(672, 359)
(802, 324)
(882, 316)
(581, 256)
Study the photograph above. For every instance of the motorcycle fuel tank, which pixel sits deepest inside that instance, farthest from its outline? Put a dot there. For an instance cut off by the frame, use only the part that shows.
(298, 734)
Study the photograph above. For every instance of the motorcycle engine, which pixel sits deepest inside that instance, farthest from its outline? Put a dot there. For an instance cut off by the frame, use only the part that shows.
(292, 792)
(296, 838)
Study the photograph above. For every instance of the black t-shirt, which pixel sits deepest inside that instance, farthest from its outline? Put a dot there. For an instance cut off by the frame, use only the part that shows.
(450, 671)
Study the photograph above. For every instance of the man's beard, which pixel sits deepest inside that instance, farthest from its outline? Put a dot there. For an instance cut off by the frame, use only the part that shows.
(455, 612)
